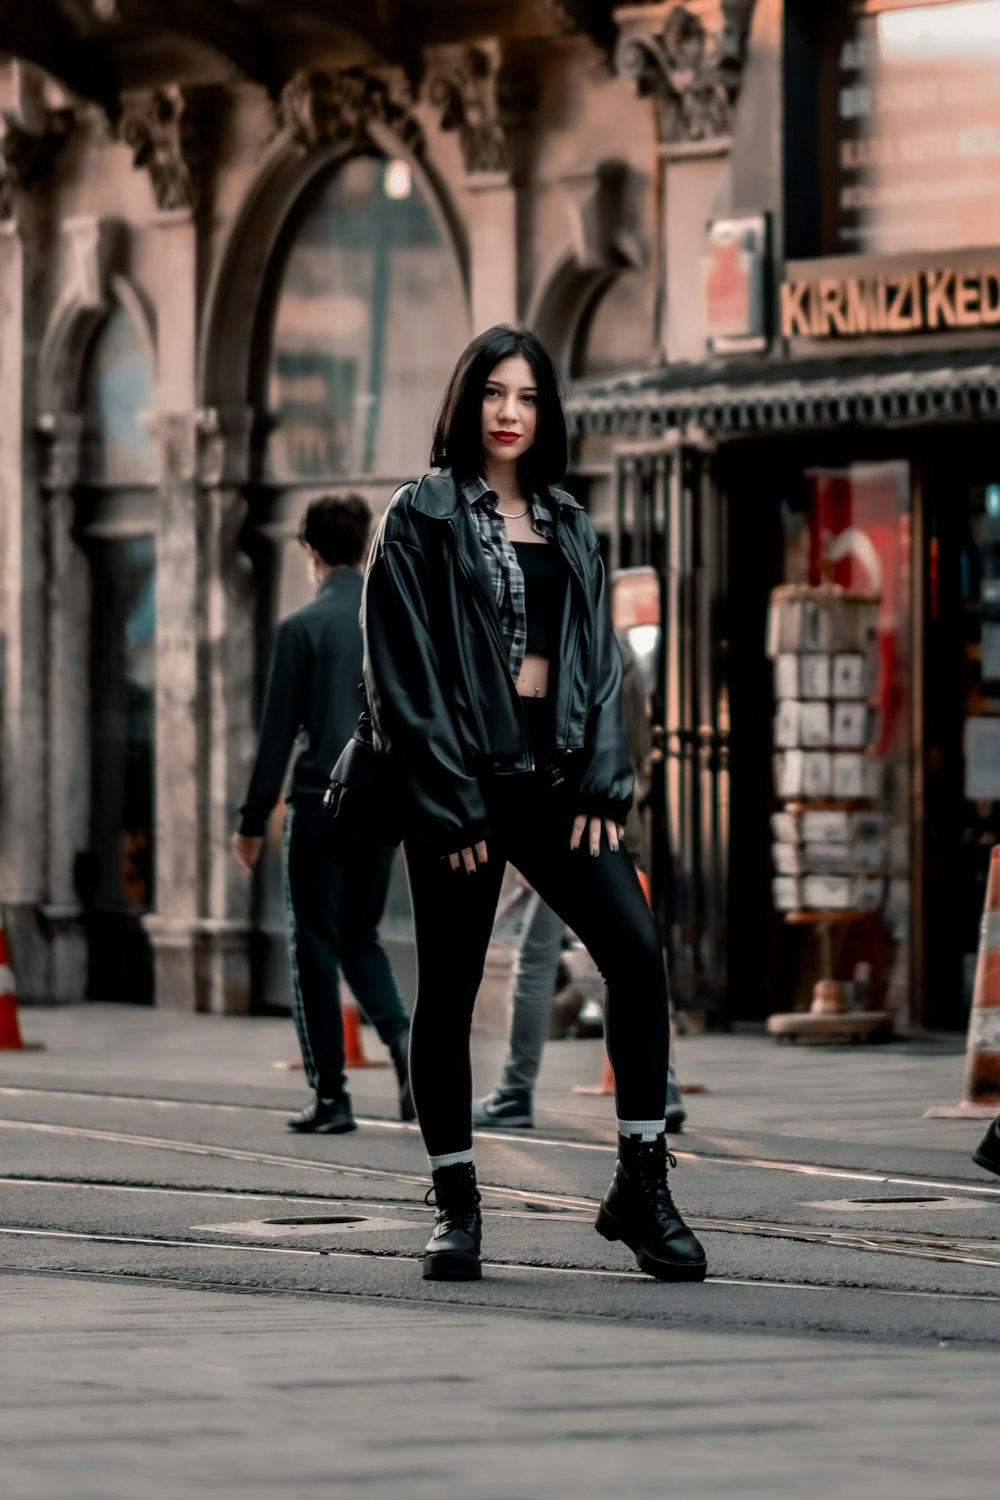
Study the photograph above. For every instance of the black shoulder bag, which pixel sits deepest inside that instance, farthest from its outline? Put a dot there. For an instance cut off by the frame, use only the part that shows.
(363, 795)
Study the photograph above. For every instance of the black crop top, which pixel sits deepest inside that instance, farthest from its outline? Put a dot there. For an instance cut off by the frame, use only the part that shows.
(544, 594)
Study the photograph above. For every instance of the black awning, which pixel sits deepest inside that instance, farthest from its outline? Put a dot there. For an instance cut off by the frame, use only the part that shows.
(764, 397)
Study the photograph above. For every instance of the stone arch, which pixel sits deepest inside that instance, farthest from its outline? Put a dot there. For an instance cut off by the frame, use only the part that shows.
(93, 292)
(75, 320)
(231, 350)
(562, 302)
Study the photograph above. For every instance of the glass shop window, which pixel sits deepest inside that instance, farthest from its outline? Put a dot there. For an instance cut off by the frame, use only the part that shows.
(368, 321)
(842, 734)
(893, 142)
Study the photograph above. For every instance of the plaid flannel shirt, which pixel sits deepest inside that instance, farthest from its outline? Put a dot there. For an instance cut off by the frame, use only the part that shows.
(502, 564)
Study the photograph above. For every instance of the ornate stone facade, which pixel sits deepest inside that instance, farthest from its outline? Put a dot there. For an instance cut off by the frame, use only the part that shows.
(26, 157)
(337, 109)
(171, 133)
(481, 95)
(143, 293)
(693, 74)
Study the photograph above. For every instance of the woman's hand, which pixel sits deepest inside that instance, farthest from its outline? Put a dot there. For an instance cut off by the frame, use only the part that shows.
(594, 827)
(469, 859)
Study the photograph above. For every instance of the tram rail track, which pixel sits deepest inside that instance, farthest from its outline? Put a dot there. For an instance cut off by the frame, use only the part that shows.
(571, 1207)
(530, 1140)
(624, 1276)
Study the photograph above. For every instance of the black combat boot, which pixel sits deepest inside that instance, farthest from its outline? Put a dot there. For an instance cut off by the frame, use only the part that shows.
(987, 1153)
(639, 1210)
(400, 1053)
(452, 1252)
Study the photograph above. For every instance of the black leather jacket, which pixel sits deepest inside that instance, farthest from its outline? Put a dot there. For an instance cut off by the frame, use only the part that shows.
(443, 703)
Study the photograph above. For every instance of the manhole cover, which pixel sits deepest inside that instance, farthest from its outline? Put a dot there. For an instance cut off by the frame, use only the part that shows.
(317, 1219)
(892, 1205)
(312, 1224)
(894, 1201)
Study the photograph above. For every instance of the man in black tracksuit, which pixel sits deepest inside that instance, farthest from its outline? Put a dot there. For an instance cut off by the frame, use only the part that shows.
(335, 881)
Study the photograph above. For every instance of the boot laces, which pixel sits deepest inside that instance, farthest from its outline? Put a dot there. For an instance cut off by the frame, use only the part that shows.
(455, 1206)
(653, 1174)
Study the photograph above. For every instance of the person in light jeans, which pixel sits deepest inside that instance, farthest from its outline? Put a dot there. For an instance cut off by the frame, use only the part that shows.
(533, 981)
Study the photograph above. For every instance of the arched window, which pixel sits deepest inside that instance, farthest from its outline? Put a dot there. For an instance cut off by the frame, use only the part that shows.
(117, 392)
(368, 319)
(115, 519)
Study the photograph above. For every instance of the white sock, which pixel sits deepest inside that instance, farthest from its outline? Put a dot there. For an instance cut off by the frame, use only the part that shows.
(450, 1159)
(647, 1130)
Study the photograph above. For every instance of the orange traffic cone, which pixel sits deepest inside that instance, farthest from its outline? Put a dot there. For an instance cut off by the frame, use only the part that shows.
(606, 1084)
(10, 1030)
(354, 1054)
(981, 1097)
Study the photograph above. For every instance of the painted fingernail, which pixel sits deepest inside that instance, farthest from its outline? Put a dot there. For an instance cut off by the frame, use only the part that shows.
(594, 853)
(613, 848)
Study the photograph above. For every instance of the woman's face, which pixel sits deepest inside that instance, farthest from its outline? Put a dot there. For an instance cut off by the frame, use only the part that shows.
(510, 411)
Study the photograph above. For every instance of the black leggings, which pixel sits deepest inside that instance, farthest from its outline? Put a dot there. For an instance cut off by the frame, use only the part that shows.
(600, 899)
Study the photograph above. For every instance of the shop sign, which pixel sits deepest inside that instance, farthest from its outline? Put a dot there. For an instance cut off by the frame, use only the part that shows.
(931, 300)
(733, 283)
(892, 120)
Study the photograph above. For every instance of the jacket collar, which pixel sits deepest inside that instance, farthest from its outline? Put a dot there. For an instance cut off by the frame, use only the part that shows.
(437, 494)
(338, 579)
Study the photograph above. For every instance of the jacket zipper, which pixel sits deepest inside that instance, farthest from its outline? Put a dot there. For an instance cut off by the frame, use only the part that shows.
(501, 650)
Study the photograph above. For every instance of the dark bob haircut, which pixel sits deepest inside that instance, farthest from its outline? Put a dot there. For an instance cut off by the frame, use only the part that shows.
(458, 432)
(338, 527)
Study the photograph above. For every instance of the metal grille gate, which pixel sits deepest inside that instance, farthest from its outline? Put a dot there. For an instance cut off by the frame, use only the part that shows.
(671, 516)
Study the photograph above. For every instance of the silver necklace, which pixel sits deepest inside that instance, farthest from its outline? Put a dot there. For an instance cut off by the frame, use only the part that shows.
(513, 515)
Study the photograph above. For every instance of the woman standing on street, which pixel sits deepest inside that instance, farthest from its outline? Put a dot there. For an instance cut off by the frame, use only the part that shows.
(494, 682)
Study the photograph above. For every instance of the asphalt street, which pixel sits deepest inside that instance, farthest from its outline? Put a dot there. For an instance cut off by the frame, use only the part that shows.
(197, 1302)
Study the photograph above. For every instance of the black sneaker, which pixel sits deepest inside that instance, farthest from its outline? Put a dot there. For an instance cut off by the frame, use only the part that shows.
(987, 1153)
(325, 1117)
(499, 1110)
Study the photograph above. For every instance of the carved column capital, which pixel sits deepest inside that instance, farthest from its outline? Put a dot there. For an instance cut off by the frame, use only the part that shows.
(337, 109)
(60, 436)
(171, 132)
(483, 95)
(693, 74)
(26, 156)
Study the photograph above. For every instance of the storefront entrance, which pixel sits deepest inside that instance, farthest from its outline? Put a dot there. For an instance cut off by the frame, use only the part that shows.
(919, 522)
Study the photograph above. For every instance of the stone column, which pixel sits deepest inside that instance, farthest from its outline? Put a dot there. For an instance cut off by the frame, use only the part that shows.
(229, 667)
(28, 143)
(492, 219)
(67, 686)
(487, 95)
(179, 796)
(689, 60)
